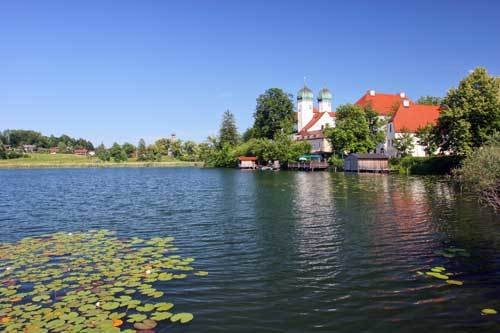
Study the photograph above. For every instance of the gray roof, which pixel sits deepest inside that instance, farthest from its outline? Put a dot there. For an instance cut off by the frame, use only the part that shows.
(370, 156)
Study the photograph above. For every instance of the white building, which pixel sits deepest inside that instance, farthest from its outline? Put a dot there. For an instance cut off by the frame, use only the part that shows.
(311, 120)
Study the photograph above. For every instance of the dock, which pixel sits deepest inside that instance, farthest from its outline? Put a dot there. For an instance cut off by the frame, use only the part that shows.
(308, 166)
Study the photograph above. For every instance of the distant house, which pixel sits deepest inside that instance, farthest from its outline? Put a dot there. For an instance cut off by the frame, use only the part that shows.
(408, 119)
(29, 148)
(366, 163)
(247, 162)
(8, 147)
(91, 153)
(81, 152)
(54, 150)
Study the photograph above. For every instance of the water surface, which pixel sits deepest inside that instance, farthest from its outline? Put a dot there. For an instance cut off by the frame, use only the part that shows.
(286, 251)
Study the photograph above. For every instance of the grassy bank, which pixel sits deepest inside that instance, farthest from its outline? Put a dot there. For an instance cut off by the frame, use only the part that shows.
(75, 161)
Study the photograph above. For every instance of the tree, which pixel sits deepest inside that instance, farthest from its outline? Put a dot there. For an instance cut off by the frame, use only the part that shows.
(471, 113)
(228, 133)
(430, 100)
(3, 154)
(117, 154)
(273, 113)
(426, 138)
(141, 150)
(375, 125)
(62, 147)
(102, 153)
(404, 143)
(248, 134)
(352, 132)
(129, 149)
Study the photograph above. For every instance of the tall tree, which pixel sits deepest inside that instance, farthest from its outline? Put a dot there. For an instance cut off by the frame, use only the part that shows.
(228, 133)
(351, 133)
(141, 149)
(430, 100)
(274, 113)
(471, 113)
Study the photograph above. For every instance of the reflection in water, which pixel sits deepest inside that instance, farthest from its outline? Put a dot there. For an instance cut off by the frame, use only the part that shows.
(286, 251)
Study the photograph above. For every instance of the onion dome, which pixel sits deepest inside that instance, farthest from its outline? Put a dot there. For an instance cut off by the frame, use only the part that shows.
(324, 94)
(304, 93)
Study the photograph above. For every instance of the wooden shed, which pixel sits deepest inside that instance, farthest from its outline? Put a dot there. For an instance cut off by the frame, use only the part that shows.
(366, 163)
(247, 162)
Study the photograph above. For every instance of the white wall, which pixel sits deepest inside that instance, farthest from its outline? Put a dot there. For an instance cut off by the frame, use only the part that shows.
(418, 150)
(305, 113)
(325, 119)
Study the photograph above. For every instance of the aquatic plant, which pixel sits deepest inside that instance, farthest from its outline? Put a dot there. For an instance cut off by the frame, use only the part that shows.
(89, 282)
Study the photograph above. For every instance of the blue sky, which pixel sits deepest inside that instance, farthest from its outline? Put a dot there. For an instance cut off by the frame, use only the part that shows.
(121, 70)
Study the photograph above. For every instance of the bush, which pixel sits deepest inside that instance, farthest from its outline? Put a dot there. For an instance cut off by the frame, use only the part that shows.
(336, 162)
(433, 165)
(480, 174)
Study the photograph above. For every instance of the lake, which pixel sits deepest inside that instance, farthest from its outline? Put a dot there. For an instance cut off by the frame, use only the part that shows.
(285, 251)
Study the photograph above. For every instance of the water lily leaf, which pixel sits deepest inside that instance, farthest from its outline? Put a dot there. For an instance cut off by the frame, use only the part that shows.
(183, 317)
(455, 282)
(136, 318)
(145, 324)
(145, 308)
(159, 316)
(437, 275)
(164, 306)
(110, 305)
(488, 311)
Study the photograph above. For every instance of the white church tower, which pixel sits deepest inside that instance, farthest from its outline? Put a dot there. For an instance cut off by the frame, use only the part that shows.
(325, 100)
(304, 107)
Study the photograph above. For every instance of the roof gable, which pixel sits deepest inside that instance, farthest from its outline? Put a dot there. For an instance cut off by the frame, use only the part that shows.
(316, 117)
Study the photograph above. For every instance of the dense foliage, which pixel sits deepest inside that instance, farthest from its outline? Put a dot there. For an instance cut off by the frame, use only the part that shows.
(269, 139)
(480, 172)
(430, 165)
(471, 113)
(16, 138)
(357, 130)
(274, 113)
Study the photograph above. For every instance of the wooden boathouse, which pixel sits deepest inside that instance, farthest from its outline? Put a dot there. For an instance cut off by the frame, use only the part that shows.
(247, 162)
(366, 163)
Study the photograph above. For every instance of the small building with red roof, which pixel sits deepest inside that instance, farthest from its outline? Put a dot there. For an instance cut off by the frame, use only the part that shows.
(409, 118)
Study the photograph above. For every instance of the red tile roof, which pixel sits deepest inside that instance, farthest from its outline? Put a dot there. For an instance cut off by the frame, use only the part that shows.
(383, 104)
(247, 158)
(410, 119)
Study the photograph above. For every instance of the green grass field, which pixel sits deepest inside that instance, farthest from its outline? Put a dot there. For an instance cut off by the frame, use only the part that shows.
(75, 161)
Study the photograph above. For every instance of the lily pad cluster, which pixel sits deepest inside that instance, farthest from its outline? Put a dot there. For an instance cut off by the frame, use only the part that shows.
(440, 273)
(89, 282)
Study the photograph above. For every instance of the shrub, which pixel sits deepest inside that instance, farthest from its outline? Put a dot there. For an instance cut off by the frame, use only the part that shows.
(433, 165)
(480, 174)
(336, 162)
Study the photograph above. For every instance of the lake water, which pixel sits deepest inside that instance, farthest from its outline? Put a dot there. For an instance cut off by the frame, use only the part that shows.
(285, 251)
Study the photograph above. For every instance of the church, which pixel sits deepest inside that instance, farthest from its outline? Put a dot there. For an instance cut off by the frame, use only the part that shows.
(311, 120)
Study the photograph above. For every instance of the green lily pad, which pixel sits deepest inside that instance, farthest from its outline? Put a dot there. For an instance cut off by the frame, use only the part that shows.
(488, 311)
(183, 317)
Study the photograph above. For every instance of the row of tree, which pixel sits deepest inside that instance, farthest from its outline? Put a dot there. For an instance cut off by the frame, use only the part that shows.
(16, 138)
(270, 137)
(161, 149)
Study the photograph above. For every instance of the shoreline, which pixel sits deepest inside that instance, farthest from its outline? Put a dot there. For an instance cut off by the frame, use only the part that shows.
(176, 164)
